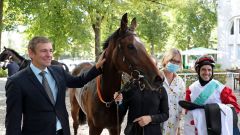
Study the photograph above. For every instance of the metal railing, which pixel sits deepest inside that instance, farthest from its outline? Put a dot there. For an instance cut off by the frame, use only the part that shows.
(230, 77)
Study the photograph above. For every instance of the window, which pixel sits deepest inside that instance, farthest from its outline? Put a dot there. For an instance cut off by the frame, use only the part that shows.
(239, 26)
(232, 29)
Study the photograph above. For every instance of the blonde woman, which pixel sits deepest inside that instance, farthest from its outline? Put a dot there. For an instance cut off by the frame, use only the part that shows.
(175, 87)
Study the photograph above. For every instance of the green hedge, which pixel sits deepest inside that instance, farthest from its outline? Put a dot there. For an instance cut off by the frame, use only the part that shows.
(192, 78)
(3, 73)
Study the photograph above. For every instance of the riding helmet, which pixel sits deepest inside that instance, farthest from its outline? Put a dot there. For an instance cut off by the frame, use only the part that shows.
(204, 60)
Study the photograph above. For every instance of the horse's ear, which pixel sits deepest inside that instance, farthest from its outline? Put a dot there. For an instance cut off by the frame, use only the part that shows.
(124, 23)
(4, 48)
(133, 24)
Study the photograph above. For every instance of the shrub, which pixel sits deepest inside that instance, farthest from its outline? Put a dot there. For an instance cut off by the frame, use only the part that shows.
(218, 66)
(3, 73)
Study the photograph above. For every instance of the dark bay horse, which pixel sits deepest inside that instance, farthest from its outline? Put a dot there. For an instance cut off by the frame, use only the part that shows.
(21, 61)
(124, 52)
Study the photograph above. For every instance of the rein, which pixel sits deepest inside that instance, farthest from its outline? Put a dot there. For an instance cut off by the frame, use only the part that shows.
(20, 67)
(100, 95)
(126, 87)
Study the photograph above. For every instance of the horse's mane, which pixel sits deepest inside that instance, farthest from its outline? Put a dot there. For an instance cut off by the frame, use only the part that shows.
(113, 36)
(16, 53)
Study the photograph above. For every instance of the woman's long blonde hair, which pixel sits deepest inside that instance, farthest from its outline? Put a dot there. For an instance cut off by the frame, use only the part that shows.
(169, 55)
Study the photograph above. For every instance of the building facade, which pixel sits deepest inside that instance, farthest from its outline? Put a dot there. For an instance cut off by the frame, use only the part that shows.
(229, 33)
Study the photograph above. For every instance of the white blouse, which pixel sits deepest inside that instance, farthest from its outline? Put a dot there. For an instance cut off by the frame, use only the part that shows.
(176, 91)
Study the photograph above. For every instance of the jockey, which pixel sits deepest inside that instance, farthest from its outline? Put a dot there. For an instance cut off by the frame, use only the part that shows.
(207, 90)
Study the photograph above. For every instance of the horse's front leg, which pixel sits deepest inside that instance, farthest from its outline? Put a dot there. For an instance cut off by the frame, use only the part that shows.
(94, 130)
(114, 131)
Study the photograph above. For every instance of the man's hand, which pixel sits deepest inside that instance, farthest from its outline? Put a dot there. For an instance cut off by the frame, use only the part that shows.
(101, 60)
(143, 120)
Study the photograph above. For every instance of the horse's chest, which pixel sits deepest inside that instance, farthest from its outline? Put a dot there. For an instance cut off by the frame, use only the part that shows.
(106, 115)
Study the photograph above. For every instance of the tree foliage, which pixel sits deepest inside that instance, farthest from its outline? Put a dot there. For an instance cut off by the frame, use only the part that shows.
(194, 24)
(154, 29)
(80, 26)
(60, 20)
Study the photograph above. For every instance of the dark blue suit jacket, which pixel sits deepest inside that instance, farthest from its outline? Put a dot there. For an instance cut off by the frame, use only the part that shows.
(28, 101)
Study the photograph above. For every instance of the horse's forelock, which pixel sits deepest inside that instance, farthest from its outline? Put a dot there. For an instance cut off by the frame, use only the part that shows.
(117, 34)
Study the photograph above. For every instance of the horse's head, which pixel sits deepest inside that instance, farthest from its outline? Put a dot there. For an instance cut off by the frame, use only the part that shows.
(5, 54)
(127, 53)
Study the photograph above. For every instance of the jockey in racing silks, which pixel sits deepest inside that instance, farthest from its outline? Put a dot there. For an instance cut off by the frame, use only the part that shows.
(207, 90)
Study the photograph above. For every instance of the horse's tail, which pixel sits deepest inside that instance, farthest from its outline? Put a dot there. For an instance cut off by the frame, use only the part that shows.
(77, 114)
(81, 117)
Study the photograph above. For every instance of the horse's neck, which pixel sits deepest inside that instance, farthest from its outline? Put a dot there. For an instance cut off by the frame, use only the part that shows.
(19, 60)
(111, 82)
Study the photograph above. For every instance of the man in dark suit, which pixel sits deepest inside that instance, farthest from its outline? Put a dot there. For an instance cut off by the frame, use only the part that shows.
(28, 98)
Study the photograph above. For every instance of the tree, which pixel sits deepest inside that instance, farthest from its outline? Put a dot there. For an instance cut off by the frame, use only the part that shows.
(66, 22)
(154, 29)
(1, 22)
(97, 11)
(72, 24)
(194, 23)
(60, 20)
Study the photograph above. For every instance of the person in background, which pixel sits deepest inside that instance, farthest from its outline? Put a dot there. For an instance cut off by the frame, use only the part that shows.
(207, 90)
(146, 109)
(12, 66)
(175, 88)
(35, 103)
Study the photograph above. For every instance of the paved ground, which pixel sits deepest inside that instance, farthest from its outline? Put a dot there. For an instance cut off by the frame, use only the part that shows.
(82, 129)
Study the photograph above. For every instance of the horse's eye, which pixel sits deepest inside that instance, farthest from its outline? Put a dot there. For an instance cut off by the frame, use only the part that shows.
(131, 46)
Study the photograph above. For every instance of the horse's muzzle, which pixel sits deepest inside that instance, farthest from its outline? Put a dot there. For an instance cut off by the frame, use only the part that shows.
(155, 84)
(158, 82)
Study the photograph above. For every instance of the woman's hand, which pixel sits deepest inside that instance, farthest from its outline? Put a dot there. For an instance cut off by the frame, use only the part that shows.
(101, 61)
(118, 97)
(143, 120)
